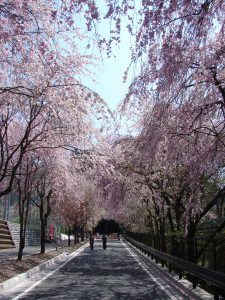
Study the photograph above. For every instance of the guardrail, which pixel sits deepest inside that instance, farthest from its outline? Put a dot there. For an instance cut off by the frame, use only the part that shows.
(216, 279)
(207, 252)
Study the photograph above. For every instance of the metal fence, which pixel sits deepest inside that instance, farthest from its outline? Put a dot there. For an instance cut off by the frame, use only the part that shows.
(213, 281)
(9, 211)
(209, 253)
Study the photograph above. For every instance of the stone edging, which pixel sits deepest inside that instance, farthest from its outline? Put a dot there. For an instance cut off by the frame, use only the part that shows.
(15, 280)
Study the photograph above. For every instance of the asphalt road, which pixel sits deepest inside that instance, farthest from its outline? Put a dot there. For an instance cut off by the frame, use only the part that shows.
(119, 272)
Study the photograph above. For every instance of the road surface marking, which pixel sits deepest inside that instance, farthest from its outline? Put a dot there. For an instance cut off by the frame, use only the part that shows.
(163, 288)
(77, 252)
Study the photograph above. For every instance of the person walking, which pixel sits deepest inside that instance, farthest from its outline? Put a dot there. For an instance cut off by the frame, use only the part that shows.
(104, 241)
(91, 241)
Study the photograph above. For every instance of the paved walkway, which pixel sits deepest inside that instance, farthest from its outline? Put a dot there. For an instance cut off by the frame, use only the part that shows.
(28, 250)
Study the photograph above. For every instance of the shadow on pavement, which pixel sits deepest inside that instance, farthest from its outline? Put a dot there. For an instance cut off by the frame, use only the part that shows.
(99, 274)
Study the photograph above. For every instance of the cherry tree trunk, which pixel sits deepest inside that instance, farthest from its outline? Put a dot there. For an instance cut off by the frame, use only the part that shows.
(82, 233)
(191, 255)
(43, 234)
(22, 241)
(23, 212)
(44, 217)
(23, 227)
(162, 237)
(75, 233)
(69, 233)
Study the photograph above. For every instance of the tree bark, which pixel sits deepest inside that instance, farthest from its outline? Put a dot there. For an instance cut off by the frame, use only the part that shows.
(44, 218)
(43, 235)
(191, 255)
(69, 233)
(22, 240)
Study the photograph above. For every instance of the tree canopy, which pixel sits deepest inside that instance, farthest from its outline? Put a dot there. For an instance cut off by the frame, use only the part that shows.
(168, 174)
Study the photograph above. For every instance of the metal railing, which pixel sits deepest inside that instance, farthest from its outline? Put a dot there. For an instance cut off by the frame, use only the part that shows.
(215, 278)
(207, 252)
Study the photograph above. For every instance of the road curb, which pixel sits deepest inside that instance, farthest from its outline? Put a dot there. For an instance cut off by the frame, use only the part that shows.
(20, 277)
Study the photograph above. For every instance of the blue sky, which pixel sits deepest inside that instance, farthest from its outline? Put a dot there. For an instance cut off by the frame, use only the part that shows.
(109, 75)
(109, 79)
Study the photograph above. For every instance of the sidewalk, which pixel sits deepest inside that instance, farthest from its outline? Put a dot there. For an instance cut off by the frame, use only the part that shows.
(29, 250)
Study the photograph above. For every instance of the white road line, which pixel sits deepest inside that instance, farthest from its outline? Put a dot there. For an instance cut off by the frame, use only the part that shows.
(163, 288)
(77, 252)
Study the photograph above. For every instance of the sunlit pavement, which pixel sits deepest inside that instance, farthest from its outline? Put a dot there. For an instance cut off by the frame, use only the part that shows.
(28, 250)
(116, 273)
